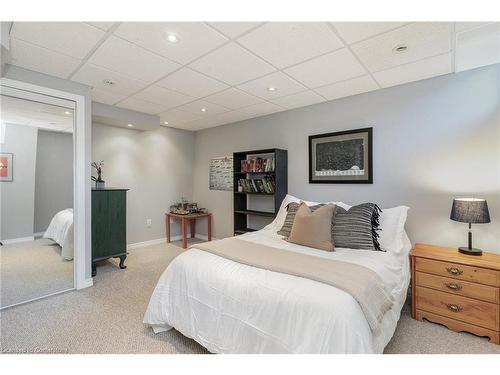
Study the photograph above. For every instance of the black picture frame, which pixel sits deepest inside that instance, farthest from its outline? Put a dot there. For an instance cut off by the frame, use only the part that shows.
(363, 133)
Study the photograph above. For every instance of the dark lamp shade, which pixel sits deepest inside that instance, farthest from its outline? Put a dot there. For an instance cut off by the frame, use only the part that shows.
(470, 210)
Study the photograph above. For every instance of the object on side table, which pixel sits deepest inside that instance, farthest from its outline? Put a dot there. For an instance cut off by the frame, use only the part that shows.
(471, 211)
(456, 290)
(109, 225)
(186, 208)
(185, 218)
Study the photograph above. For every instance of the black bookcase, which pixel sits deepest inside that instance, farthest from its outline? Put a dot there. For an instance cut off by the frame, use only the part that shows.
(267, 204)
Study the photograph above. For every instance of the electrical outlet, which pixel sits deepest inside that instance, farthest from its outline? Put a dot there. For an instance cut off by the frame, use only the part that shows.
(149, 222)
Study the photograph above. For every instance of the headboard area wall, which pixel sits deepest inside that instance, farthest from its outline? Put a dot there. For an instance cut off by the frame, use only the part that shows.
(433, 140)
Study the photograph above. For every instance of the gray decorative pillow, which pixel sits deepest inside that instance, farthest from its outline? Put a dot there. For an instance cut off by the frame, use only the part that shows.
(357, 228)
(291, 211)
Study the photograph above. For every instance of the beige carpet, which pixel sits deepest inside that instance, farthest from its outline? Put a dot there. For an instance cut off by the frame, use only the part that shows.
(32, 269)
(107, 318)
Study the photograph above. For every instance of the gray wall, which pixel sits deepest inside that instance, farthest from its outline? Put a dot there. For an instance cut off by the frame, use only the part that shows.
(433, 140)
(54, 176)
(18, 196)
(156, 166)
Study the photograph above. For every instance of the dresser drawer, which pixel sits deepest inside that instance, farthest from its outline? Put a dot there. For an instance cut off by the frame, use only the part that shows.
(458, 271)
(458, 287)
(480, 313)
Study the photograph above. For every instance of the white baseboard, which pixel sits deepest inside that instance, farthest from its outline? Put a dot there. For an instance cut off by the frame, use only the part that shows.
(138, 245)
(16, 240)
(39, 234)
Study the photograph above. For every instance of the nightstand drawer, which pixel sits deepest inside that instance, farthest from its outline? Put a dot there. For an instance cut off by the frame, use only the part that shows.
(458, 287)
(483, 314)
(458, 271)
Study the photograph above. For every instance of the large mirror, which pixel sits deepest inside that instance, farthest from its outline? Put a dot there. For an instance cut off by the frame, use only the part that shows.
(36, 188)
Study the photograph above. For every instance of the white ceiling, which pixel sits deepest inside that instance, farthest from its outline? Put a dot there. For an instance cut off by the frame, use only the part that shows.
(226, 68)
(17, 111)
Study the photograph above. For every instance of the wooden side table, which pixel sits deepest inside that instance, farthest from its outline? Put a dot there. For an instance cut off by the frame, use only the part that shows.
(184, 219)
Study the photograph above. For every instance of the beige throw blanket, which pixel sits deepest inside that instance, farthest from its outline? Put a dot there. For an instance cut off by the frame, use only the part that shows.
(360, 282)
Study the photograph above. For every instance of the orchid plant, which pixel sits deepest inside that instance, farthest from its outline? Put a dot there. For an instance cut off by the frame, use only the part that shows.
(98, 168)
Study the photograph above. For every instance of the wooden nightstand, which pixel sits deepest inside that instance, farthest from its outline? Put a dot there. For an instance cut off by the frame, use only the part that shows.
(459, 291)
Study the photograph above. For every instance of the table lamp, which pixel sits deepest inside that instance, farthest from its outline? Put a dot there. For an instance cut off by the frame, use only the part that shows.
(472, 211)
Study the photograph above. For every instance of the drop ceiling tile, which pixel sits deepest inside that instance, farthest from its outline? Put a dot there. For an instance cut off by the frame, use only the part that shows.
(287, 43)
(353, 32)
(232, 64)
(106, 96)
(423, 39)
(261, 109)
(176, 117)
(465, 26)
(300, 99)
(126, 58)
(192, 83)
(102, 25)
(166, 98)
(74, 39)
(196, 106)
(350, 87)
(46, 61)
(283, 84)
(333, 67)
(234, 29)
(95, 76)
(423, 69)
(230, 117)
(233, 98)
(194, 38)
(478, 47)
(140, 105)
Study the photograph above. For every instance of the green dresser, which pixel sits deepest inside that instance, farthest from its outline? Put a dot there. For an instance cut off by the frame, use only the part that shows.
(109, 225)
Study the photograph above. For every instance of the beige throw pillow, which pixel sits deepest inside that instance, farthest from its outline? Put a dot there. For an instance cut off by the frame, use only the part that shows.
(313, 229)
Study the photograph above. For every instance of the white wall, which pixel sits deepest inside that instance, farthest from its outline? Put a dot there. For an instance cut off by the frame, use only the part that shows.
(156, 166)
(18, 196)
(54, 176)
(433, 140)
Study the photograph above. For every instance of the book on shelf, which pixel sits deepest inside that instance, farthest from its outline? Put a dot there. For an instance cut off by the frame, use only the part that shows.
(257, 185)
(257, 165)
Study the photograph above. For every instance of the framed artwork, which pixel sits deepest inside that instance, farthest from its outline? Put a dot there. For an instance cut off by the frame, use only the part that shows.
(221, 173)
(341, 158)
(6, 165)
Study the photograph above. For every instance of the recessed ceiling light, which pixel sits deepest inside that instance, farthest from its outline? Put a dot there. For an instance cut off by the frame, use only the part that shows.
(108, 82)
(130, 125)
(400, 48)
(272, 88)
(172, 38)
(203, 109)
(67, 113)
(165, 122)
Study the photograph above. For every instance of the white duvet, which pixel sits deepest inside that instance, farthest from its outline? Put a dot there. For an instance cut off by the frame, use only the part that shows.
(229, 307)
(60, 230)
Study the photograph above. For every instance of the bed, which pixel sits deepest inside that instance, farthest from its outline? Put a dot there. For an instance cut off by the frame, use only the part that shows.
(229, 307)
(60, 231)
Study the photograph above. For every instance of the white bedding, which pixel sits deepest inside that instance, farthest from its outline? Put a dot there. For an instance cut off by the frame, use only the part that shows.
(229, 307)
(60, 230)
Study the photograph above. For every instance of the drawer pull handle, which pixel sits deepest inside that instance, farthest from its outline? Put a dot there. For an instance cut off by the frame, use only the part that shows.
(454, 286)
(454, 308)
(454, 271)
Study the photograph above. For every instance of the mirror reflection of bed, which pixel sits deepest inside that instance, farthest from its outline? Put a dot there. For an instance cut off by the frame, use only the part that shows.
(36, 256)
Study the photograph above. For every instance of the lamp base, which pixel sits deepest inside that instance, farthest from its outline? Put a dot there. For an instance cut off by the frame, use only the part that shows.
(472, 251)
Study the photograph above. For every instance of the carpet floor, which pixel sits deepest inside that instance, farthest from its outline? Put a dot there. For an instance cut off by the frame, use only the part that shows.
(32, 269)
(107, 318)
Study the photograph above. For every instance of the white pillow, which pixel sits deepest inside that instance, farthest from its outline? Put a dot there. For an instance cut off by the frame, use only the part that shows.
(392, 226)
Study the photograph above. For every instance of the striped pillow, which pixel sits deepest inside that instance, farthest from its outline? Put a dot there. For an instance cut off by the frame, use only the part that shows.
(291, 210)
(357, 228)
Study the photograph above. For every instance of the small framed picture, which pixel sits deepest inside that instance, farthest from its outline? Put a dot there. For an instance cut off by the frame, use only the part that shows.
(341, 158)
(6, 165)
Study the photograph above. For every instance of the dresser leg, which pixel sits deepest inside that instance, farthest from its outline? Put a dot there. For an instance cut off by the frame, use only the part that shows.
(94, 269)
(122, 260)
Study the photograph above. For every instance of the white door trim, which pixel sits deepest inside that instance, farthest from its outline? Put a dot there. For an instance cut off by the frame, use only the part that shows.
(81, 171)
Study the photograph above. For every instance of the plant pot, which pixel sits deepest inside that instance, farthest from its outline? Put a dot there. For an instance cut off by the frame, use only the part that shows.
(99, 184)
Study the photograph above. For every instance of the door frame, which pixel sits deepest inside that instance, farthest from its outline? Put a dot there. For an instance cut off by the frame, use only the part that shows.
(81, 171)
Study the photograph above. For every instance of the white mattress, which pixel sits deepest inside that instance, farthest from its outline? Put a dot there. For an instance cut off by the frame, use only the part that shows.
(229, 307)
